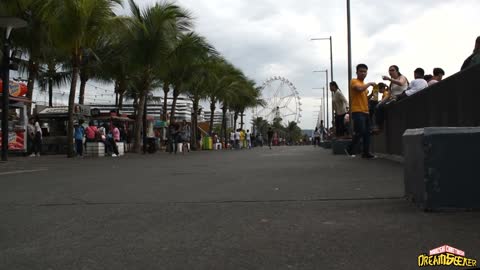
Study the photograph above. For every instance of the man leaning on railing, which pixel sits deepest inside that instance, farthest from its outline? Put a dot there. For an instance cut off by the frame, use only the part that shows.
(474, 58)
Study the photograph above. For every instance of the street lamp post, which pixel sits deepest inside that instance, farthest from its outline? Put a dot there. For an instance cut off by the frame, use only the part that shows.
(331, 65)
(8, 23)
(322, 103)
(349, 45)
(331, 54)
(144, 125)
(326, 88)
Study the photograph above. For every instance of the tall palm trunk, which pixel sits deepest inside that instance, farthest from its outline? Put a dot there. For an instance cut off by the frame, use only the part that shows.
(194, 129)
(224, 123)
(241, 119)
(50, 92)
(235, 118)
(116, 93)
(176, 93)
(120, 100)
(212, 115)
(166, 89)
(139, 123)
(83, 82)
(122, 88)
(51, 72)
(71, 103)
(32, 75)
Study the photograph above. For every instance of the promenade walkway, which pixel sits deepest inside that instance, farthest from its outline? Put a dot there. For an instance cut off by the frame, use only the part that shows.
(286, 208)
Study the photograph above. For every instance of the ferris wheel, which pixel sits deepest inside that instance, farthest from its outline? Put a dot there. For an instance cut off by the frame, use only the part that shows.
(281, 101)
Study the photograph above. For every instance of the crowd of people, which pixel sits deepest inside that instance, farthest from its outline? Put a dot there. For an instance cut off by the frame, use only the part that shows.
(367, 108)
(241, 139)
(34, 138)
(179, 136)
(109, 135)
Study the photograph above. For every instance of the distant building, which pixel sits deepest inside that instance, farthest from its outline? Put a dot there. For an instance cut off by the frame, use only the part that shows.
(217, 118)
(183, 108)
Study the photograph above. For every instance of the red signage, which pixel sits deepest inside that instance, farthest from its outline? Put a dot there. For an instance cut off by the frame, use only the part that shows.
(16, 89)
(16, 141)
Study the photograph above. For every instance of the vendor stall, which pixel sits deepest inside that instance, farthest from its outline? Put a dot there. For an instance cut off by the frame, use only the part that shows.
(54, 122)
(17, 117)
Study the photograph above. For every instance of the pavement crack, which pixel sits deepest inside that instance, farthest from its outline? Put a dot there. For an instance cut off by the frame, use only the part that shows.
(82, 202)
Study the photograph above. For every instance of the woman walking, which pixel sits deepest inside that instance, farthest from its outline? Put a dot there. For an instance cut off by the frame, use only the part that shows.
(37, 140)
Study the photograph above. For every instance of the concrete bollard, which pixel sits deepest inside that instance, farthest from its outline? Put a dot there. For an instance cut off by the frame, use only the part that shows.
(441, 167)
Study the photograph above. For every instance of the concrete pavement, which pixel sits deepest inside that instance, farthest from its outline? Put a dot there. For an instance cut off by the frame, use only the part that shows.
(286, 208)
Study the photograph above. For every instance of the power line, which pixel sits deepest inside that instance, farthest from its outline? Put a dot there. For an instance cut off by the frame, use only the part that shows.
(98, 87)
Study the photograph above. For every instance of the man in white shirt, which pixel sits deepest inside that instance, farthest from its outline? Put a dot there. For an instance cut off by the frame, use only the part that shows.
(418, 84)
(249, 140)
(232, 139)
(237, 139)
(438, 74)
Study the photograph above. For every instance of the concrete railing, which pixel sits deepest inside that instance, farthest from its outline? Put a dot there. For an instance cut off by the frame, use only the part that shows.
(452, 102)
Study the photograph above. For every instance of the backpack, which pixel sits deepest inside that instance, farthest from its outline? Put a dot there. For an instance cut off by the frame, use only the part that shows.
(89, 131)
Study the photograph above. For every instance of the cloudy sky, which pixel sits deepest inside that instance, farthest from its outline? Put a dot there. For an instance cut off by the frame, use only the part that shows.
(268, 38)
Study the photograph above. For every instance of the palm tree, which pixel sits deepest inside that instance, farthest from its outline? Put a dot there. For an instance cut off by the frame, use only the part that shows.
(75, 25)
(260, 126)
(152, 33)
(248, 97)
(293, 131)
(33, 39)
(254, 100)
(52, 74)
(197, 86)
(113, 65)
(190, 51)
(222, 79)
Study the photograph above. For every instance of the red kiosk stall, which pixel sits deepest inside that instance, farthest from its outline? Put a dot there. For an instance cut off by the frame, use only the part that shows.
(17, 117)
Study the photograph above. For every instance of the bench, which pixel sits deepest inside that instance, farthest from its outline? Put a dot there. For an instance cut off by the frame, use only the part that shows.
(95, 149)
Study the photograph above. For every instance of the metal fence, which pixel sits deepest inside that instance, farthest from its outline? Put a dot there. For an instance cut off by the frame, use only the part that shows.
(453, 102)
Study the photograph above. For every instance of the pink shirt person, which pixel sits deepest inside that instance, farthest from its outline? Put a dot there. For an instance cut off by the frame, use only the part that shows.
(116, 134)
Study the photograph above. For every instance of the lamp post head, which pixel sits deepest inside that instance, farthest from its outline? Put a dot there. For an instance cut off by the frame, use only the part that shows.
(11, 23)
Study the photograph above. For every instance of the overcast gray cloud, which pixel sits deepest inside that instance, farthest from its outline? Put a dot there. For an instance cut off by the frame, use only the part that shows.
(272, 38)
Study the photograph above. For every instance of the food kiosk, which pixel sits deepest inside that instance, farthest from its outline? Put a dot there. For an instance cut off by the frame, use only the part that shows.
(17, 117)
(54, 122)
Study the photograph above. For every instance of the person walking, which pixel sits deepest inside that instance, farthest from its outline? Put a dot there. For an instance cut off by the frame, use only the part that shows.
(79, 135)
(31, 136)
(249, 139)
(37, 141)
(111, 139)
(360, 112)
(270, 137)
(316, 137)
(232, 140)
(340, 105)
(323, 131)
(171, 136)
(237, 139)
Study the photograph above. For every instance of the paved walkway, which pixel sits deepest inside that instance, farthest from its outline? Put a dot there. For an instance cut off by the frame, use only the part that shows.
(286, 208)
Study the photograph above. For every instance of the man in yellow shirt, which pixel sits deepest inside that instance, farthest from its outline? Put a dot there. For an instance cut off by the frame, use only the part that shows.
(360, 112)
